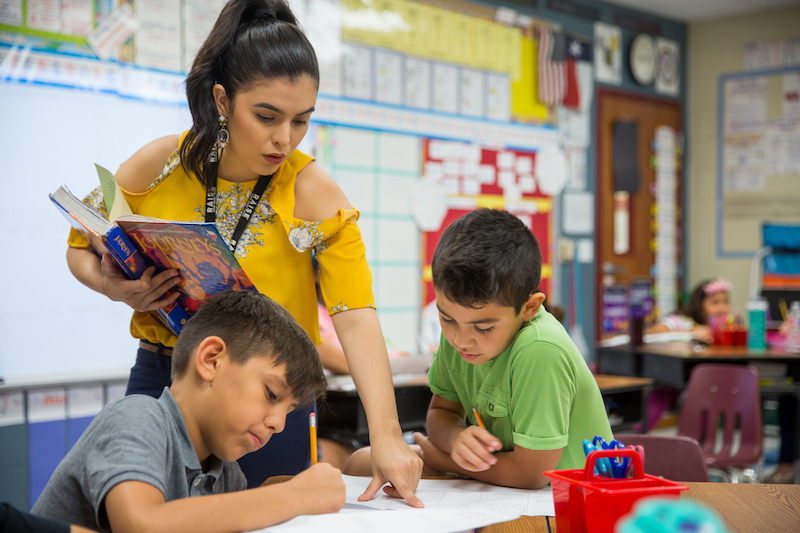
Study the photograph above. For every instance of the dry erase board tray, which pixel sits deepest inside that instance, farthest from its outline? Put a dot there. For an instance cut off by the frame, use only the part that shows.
(587, 503)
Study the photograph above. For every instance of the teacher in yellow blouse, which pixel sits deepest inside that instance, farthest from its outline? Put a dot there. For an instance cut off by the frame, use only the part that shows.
(251, 91)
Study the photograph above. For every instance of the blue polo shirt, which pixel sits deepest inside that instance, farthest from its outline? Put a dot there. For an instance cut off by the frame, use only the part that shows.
(136, 438)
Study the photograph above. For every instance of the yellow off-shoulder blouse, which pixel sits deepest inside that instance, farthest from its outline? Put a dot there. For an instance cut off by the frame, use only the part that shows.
(275, 249)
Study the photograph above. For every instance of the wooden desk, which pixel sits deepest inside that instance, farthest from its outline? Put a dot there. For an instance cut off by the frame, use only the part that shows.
(751, 508)
(625, 397)
(744, 508)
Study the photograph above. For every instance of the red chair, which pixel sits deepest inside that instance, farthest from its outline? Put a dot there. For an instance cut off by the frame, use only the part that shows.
(676, 458)
(727, 398)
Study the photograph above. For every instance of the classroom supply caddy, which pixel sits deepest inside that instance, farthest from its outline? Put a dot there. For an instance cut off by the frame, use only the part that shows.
(589, 503)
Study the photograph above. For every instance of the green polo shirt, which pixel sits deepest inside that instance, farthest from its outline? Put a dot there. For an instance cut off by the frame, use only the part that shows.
(538, 394)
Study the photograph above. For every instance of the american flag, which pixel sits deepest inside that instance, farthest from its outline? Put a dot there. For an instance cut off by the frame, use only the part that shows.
(552, 59)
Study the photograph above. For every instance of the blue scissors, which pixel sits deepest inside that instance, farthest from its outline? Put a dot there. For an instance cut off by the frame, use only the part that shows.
(617, 466)
(602, 466)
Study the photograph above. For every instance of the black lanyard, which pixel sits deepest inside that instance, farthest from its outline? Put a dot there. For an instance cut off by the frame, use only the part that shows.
(244, 216)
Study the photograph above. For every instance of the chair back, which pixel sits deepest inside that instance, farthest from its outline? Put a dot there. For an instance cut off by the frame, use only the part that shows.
(676, 458)
(726, 397)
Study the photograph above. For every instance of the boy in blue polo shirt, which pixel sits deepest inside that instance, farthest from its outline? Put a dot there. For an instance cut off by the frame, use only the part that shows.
(240, 364)
(503, 354)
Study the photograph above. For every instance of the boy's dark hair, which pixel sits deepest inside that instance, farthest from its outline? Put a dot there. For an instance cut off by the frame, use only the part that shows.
(694, 306)
(487, 256)
(251, 41)
(253, 325)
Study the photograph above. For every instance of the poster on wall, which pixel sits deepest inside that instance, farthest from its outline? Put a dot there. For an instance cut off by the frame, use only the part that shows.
(158, 35)
(11, 12)
(667, 67)
(775, 53)
(614, 311)
(607, 53)
(198, 19)
(791, 95)
(472, 177)
(744, 127)
(782, 147)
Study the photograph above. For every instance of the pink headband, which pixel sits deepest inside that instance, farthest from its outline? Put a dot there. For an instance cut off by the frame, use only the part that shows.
(718, 285)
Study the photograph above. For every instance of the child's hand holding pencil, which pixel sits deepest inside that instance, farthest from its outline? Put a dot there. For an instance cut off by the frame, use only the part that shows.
(474, 447)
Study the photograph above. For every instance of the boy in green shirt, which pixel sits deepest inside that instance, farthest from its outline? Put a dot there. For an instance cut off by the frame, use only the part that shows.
(503, 354)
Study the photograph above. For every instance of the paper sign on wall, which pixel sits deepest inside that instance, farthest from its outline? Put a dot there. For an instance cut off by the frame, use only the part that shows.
(607, 53)
(667, 67)
(107, 38)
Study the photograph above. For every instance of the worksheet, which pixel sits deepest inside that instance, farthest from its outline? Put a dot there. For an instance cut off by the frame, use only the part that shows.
(445, 502)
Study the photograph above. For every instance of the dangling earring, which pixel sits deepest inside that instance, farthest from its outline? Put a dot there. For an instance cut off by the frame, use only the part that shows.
(222, 140)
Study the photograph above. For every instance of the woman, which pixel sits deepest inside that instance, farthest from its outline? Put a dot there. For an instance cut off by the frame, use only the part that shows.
(251, 91)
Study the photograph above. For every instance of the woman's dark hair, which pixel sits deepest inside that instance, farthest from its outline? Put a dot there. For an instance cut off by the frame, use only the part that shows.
(694, 306)
(252, 40)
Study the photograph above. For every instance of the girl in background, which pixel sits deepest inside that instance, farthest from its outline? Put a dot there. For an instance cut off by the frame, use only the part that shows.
(710, 298)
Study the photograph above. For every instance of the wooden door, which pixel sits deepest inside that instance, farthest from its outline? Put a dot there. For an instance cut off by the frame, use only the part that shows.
(637, 262)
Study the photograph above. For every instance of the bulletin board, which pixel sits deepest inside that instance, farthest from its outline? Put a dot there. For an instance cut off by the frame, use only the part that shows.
(758, 157)
(474, 178)
(465, 62)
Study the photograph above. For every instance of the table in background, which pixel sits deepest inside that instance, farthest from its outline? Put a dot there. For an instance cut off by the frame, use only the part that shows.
(669, 364)
(342, 416)
(625, 397)
(744, 508)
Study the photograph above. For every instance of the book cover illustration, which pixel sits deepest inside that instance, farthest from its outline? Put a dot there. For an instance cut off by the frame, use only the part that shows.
(195, 249)
(107, 237)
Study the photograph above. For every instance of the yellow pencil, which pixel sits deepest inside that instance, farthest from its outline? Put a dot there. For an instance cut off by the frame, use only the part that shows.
(784, 310)
(478, 417)
(312, 429)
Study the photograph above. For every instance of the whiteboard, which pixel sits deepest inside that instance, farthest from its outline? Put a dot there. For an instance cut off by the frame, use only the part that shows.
(51, 136)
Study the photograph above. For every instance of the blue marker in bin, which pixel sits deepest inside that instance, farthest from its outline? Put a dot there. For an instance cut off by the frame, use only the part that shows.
(619, 467)
(602, 466)
(613, 467)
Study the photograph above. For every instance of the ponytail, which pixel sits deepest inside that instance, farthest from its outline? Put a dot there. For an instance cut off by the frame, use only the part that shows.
(252, 40)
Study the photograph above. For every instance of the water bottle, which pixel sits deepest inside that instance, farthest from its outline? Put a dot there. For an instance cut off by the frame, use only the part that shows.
(793, 333)
(757, 318)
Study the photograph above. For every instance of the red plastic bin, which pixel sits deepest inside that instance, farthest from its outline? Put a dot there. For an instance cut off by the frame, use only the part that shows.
(588, 503)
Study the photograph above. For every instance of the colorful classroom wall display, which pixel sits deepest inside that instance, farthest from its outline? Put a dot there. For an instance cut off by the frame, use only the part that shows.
(396, 69)
(476, 62)
(472, 177)
(460, 72)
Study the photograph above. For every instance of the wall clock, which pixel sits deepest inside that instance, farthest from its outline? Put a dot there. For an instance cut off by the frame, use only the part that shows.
(643, 59)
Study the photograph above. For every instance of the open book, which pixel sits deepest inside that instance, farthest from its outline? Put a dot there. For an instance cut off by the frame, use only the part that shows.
(195, 249)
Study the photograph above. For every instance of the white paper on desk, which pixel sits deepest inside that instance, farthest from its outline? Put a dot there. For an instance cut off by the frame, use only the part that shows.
(445, 502)
(418, 520)
(455, 493)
